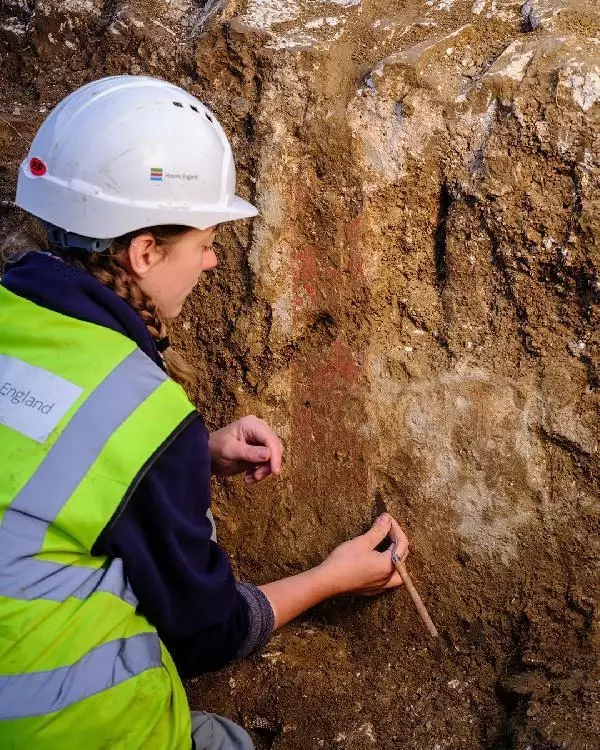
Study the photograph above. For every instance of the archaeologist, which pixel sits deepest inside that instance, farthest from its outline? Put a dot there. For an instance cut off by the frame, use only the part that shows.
(112, 586)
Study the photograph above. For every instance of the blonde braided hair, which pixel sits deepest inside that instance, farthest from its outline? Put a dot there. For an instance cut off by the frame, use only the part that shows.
(110, 267)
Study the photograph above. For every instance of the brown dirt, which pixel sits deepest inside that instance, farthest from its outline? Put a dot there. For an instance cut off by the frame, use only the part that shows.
(416, 311)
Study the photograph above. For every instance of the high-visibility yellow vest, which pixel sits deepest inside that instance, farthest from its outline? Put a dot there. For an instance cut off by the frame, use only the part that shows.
(83, 414)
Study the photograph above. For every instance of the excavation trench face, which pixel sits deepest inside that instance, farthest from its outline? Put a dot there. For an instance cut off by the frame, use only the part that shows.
(416, 311)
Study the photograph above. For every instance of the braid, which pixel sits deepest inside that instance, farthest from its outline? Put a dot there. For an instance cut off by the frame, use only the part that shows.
(111, 271)
(110, 268)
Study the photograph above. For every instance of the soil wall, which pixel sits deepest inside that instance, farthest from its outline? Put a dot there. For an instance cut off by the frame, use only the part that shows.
(416, 311)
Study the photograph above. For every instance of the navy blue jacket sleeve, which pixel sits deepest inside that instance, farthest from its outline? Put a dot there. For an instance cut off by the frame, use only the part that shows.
(183, 580)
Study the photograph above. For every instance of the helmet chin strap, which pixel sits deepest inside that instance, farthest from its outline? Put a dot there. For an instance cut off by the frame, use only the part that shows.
(60, 239)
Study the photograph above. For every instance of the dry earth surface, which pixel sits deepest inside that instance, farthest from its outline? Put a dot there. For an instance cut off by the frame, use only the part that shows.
(416, 310)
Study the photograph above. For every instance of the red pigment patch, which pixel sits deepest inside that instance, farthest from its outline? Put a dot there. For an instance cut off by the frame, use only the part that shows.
(325, 417)
(305, 274)
(341, 365)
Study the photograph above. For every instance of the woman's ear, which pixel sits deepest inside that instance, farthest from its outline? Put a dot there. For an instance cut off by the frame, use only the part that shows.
(143, 254)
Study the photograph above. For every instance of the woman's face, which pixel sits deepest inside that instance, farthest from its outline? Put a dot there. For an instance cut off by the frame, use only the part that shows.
(168, 274)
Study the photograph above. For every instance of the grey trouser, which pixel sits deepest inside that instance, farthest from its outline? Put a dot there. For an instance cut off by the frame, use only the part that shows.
(211, 518)
(212, 732)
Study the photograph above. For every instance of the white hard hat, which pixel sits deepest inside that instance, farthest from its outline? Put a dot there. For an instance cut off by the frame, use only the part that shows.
(128, 152)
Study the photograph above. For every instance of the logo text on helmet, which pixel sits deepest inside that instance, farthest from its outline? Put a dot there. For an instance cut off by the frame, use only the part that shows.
(37, 167)
(158, 174)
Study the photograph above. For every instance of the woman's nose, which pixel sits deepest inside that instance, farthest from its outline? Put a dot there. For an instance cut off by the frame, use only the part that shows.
(209, 260)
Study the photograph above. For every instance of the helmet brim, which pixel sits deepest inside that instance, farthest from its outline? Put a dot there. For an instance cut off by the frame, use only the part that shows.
(238, 208)
(43, 197)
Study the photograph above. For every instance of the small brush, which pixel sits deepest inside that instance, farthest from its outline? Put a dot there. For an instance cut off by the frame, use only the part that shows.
(380, 508)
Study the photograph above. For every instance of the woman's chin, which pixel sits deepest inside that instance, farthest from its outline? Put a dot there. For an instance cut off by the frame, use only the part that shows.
(173, 312)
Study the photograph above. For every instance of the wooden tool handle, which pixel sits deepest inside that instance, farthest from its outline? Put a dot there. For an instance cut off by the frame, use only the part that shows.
(414, 595)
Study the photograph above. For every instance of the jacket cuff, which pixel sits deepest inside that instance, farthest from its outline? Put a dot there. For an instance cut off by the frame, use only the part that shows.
(261, 620)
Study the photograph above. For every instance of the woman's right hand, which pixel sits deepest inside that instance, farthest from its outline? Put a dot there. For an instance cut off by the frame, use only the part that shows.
(355, 567)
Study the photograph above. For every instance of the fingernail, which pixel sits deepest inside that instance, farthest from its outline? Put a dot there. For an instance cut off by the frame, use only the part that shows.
(263, 455)
(383, 518)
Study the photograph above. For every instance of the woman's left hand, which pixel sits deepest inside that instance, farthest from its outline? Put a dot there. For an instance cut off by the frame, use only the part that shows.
(249, 445)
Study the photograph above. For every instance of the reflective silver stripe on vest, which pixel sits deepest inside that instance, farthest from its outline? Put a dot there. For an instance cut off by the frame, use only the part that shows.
(26, 521)
(27, 578)
(79, 445)
(37, 693)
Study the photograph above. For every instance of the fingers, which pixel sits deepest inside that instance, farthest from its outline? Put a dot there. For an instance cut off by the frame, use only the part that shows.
(394, 582)
(253, 454)
(257, 474)
(390, 578)
(398, 535)
(390, 549)
(386, 525)
(276, 447)
(378, 531)
(395, 579)
(261, 436)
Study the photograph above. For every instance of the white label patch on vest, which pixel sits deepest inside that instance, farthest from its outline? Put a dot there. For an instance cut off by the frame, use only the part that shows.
(33, 400)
